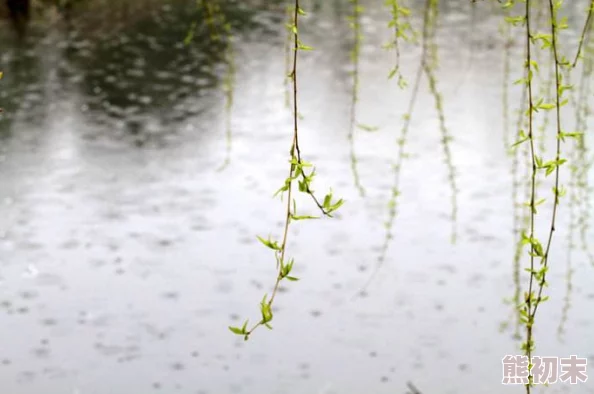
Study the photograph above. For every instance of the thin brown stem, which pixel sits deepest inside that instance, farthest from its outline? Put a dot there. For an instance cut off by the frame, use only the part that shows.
(545, 258)
(585, 31)
(295, 152)
(528, 299)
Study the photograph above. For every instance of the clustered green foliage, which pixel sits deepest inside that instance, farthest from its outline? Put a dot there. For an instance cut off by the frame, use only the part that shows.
(403, 30)
(539, 252)
(540, 25)
(545, 82)
(542, 97)
(298, 173)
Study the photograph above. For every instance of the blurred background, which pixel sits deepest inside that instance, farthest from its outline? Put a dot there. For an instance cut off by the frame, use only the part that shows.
(125, 253)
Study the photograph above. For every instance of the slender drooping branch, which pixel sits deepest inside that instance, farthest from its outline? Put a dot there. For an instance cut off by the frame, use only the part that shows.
(429, 63)
(395, 191)
(579, 196)
(297, 172)
(402, 30)
(558, 160)
(585, 33)
(527, 309)
(537, 279)
(521, 219)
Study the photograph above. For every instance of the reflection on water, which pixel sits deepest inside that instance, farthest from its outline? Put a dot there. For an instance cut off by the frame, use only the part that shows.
(124, 254)
(139, 77)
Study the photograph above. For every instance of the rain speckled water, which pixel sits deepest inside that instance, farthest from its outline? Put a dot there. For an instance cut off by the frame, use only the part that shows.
(125, 254)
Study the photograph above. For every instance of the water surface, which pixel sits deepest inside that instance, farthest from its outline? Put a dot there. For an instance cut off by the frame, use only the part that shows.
(125, 254)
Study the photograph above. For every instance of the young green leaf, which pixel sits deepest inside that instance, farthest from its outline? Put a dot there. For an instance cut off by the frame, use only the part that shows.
(236, 330)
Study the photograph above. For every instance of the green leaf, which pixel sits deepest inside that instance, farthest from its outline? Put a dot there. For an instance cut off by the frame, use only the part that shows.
(559, 192)
(392, 72)
(266, 313)
(286, 269)
(534, 64)
(303, 186)
(299, 163)
(515, 20)
(236, 330)
(550, 170)
(284, 188)
(546, 106)
(367, 127)
(570, 135)
(327, 200)
(336, 205)
(266, 310)
(538, 249)
(303, 217)
(269, 243)
(519, 142)
(304, 47)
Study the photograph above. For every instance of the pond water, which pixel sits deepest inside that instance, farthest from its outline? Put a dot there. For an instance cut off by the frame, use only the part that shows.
(125, 254)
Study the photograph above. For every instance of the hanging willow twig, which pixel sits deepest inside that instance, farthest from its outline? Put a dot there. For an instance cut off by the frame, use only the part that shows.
(297, 172)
